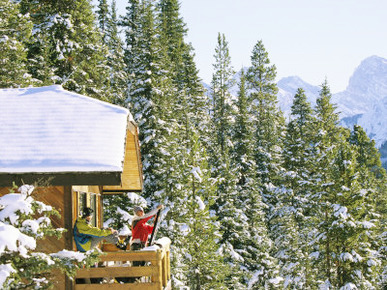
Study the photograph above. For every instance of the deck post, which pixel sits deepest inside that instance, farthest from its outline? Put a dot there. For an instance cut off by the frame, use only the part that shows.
(158, 277)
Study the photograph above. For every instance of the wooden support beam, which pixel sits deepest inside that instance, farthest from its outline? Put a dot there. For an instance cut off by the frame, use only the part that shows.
(129, 256)
(117, 286)
(101, 272)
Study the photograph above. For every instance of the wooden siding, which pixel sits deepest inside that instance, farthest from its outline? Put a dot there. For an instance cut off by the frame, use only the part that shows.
(131, 178)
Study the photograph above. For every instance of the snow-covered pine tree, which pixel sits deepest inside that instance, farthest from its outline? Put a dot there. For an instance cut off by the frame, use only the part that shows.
(353, 224)
(117, 77)
(374, 177)
(103, 18)
(149, 94)
(190, 104)
(173, 30)
(222, 120)
(130, 23)
(268, 130)
(222, 108)
(199, 264)
(191, 136)
(15, 30)
(66, 46)
(250, 241)
(151, 97)
(268, 123)
(292, 213)
(328, 137)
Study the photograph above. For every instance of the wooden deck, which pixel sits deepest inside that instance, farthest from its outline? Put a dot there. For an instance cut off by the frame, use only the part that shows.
(116, 271)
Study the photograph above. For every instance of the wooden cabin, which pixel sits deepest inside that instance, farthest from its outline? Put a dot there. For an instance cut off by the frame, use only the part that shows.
(77, 149)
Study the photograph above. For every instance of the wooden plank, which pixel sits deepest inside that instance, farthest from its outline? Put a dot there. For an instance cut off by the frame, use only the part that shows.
(168, 264)
(164, 273)
(158, 278)
(130, 256)
(68, 217)
(101, 272)
(129, 286)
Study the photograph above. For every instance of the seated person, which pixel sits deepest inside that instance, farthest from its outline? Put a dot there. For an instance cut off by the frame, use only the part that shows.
(88, 237)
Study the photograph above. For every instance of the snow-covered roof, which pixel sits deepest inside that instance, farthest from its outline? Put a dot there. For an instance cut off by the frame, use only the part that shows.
(51, 130)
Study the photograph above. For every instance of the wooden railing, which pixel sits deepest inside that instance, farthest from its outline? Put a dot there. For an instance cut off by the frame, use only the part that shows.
(117, 272)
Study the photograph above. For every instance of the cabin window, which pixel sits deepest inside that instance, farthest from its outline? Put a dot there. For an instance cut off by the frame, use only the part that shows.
(81, 201)
(86, 199)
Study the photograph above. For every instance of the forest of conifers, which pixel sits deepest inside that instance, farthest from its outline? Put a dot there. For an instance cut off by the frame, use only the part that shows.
(253, 200)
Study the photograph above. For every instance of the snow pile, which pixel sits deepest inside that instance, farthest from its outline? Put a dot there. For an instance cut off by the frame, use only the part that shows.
(11, 239)
(200, 203)
(160, 243)
(196, 173)
(5, 271)
(66, 254)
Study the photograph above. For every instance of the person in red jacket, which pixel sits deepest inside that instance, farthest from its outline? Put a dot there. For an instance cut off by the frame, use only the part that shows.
(140, 229)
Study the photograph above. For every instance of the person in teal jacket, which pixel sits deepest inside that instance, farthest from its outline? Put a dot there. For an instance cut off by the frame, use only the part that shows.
(88, 237)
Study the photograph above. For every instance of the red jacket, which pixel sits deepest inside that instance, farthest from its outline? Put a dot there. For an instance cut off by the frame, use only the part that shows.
(140, 229)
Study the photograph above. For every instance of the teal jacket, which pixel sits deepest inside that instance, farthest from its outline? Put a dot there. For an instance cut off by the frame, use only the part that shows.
(84, 232)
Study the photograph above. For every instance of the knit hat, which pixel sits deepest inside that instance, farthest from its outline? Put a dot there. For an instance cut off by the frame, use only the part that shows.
(87, 211)
(137, 208)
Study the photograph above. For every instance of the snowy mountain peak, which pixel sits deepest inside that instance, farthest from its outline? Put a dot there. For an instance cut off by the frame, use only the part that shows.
(293, 83)
(370, 78)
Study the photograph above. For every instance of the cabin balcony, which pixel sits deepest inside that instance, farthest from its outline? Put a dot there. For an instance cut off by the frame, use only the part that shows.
(116, 270)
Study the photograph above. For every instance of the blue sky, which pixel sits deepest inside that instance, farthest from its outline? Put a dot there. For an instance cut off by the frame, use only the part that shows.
(313, 39)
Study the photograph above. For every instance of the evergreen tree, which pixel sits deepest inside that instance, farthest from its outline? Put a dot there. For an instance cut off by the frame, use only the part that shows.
(268, 129)
(325, 144)
(373, 175)
(353, 224)
(103, 18)
(173, 30)
(200, 264)
(268, 122)
(66, 47)
(15, 30)
(292, 214)
(149, 92)
(222, 81)
(228, 206)
(250, 242)
(115, 59)
(189, 103)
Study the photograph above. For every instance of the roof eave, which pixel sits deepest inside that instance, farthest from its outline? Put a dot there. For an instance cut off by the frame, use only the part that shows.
(61, 178)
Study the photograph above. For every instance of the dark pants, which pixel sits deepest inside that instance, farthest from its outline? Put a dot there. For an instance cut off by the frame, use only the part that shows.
(137, 247)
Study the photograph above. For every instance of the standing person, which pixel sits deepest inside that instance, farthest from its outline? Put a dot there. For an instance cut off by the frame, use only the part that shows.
(140, 229)
(88, 237)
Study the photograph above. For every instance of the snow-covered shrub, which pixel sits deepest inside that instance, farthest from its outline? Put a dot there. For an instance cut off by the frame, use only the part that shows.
(23, 222)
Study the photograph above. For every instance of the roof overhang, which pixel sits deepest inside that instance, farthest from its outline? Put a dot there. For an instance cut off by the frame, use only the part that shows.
(61, 178)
